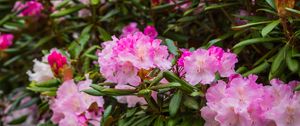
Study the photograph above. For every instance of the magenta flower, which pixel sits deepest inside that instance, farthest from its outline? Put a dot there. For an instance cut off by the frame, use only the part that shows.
(184, 54)
(150, 31)
(71, 106)
(56, 60)
(6, 40)
(121, 59)
(29, 8)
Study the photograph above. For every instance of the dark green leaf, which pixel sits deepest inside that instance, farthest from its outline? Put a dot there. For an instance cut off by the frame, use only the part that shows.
(255, 41)
(258, 69)
(67, 11)
(175, 103)
(269, 28)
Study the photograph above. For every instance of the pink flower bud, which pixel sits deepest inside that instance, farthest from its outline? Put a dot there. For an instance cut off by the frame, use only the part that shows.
(150, 31)
(57, 61)
(6, 41)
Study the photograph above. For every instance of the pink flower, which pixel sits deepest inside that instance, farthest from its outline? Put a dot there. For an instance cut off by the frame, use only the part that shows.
(121, 59)
(184, 54)
(29, 8)
(235, 103)
(71, 106)
(200, 67)
(6, 41)
(56, 60)
(129, 29)
(284, 109)
(227, 60)
(243, 102)
(150, 31)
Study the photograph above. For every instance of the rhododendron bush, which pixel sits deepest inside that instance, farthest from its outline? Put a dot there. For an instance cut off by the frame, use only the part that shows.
(149, 62)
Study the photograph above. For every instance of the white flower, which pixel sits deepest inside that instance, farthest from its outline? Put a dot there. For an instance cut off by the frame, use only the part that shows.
(41, 72)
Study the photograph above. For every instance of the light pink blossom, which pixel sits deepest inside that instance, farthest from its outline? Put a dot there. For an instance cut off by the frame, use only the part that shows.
(244, 102)
(131, 28)
(6, 40)
(200, 66)
(71, 106)
(121, 59)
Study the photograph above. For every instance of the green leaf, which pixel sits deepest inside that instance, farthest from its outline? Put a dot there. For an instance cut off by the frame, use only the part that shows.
(197, 93)
(250, 24)
(111, 91)
(42, 89)
(255, 41)
(18, 120)
(172, 47)
(104, 35)
(292, 64)
(106, 113)
(297, 88)
(62, 4)
(188, 11)
(217, 6)
(258, 69)
(293, 10)
(187, 19)
(10, 61)
(95, 2)
(171, 77)
(67, 11)
(109, 14)
(49, 83)
(43, 41)
(271, 3)
(93, 92)
(269, 28)
(159, 121)
(219, 39)
(175, 103)
(191, 103)
(277, 62)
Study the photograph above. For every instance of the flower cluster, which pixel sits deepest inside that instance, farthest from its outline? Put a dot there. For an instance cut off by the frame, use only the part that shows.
(122, 59)
(29, 8)
(6, 41)
(244, 102)
(71, 107)
(51, 65)
(200, 66)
